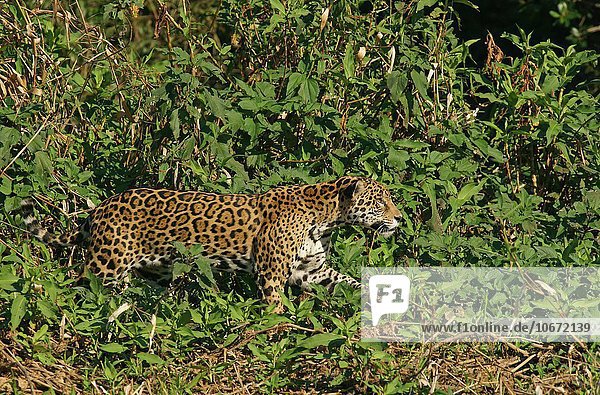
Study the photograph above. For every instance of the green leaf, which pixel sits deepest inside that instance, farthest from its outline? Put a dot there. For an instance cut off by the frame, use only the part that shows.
(230, 339)
(554, 129)
(294, 82)
(17, 311)
(405, 143)
(469, 4)
(338, 165)
(436, 220)
(174, 123)
(396, 83)
(420, 82)
(217, 106)
(349, 61)
(204, 265)
(47, 308)
(180, 268)
(425, 3)
(6, 186)
(152, 359)
(277, 5)
(551, 83)
(113, 348)
(43, 164)
(258, 353)
(398, 158)
(586, 303)
(320, 339)
(469, 191)
(235, 120)
(7, 280)
(309, 90)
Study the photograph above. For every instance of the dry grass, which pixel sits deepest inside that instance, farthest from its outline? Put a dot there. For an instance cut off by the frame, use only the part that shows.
(470, 368)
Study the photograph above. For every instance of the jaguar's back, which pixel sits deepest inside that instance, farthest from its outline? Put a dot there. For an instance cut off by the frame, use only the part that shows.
(137, 229)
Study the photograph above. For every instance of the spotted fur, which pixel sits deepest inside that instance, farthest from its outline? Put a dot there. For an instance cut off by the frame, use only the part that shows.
(282, 236)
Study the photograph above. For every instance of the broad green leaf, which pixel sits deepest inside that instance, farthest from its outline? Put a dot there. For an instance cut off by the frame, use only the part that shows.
(425, 3)
(320, 339)
(152, 359)
(396, 83)
(7, 280)
(180, 268)
(17, 311)
(294, 82)
(277, 5)
(113, 348)
(47, 308)
(309, 90)
(398, 158)
(260, 354)
(43, 164)
(216, 105)
(469, 191)
(420, 82)
(551, 83)
(5, 186)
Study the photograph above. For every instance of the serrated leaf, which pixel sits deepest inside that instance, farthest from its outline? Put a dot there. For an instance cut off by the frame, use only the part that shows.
(294, 82)
(217, 106)
(309, 90)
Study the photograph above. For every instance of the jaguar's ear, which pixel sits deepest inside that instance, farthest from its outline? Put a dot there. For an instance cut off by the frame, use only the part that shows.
(354, 188)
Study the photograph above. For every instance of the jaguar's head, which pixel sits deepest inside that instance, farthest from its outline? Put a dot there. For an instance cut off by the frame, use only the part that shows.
(366, 202)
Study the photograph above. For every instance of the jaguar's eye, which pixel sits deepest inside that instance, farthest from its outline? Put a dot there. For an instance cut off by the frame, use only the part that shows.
(380, 205)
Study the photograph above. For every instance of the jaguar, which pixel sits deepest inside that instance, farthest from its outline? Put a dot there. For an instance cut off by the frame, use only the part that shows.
(282, 236)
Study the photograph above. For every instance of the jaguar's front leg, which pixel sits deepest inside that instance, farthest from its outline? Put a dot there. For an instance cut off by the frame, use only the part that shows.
(323, 275)
(272, 262)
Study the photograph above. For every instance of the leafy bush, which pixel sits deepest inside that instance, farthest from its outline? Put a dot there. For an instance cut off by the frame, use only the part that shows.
(494, 164)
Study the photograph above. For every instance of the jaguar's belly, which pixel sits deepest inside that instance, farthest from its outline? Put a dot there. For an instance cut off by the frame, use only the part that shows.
(235, 263)
(311, 255)
(165, 256)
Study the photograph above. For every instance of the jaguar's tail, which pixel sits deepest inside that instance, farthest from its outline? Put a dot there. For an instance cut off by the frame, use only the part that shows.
(72, 238)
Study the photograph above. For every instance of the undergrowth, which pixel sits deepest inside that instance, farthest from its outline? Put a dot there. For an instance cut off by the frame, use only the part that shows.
(492, 164)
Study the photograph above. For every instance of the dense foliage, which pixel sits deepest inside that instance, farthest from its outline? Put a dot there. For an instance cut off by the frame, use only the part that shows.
(492, 163)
